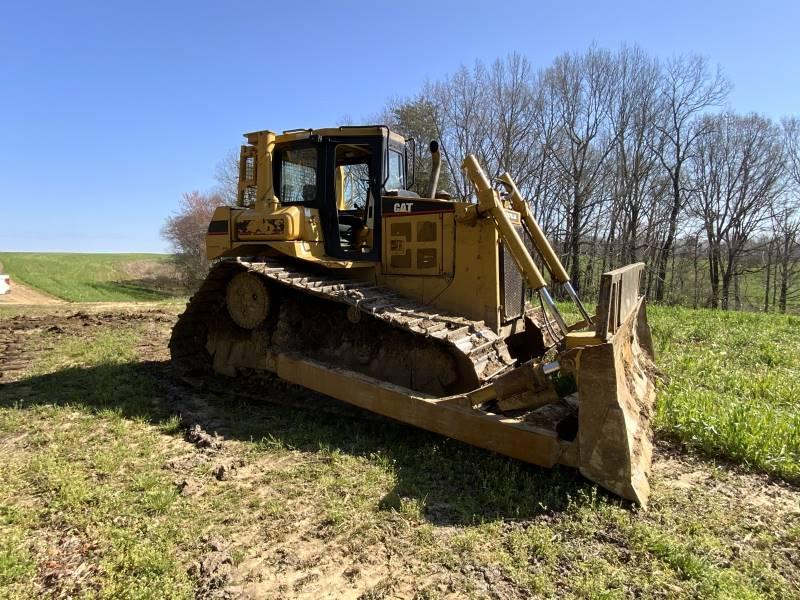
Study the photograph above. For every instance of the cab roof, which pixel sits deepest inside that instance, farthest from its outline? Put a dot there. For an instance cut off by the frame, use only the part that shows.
(347, 130)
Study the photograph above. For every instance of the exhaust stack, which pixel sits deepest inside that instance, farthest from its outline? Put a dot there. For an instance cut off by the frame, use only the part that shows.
(436, 167)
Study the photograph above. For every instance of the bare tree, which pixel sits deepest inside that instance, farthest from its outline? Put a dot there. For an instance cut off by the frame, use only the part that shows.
(227, 175)
(688, 90)
(786, 216)
(581, 85)
(462, 120)
(511, 117)
(735, 177)
(787, 233)
(633, 116)
(417, 118)
(186, 233)
(610, 148)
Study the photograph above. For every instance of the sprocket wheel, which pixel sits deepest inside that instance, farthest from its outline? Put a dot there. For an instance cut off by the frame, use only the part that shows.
(248, 300)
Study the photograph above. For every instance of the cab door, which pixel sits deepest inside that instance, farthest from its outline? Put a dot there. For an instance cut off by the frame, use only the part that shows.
(351, 211)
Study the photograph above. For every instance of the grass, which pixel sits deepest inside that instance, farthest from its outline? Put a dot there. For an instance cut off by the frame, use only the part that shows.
(733, 385)
(87, 438)
(94, 277)
(89, 490)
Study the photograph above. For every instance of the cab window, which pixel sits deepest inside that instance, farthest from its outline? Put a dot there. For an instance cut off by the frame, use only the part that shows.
(396, 177)
(298, 176)
(354, 203)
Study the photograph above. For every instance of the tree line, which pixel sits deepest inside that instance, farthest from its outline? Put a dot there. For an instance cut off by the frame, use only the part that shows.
(626, 158)
(623, 157)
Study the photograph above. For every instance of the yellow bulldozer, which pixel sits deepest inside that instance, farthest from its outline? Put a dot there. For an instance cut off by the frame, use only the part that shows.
(332, 275)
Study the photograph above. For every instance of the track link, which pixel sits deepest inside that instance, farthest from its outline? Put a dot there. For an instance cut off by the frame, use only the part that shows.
(470, 342)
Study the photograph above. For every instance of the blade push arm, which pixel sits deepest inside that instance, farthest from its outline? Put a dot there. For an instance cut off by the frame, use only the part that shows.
(541, 242)
(489, 202)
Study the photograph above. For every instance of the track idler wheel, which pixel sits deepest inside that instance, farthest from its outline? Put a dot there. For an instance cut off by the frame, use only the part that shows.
(248, 300)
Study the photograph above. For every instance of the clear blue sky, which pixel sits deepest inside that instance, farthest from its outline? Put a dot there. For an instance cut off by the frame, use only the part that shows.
(110, 110)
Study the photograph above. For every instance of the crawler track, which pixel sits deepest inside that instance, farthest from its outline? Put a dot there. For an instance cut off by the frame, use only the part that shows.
(396, 336)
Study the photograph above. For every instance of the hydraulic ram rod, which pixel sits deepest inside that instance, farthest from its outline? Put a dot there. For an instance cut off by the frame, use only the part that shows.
(489, 202)
(542, 244)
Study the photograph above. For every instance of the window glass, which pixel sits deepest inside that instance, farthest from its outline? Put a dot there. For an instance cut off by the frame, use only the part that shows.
(353, 198)
(250, 168)
(356, 185)
(353, 175)
(298, 175)
(395, 181)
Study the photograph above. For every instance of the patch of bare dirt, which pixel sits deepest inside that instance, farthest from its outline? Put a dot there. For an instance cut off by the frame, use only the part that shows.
(21, 294)
(23, 338)
(676, 472)
(302, 559)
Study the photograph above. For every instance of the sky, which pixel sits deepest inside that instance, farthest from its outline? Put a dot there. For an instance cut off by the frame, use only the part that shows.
(109, 111)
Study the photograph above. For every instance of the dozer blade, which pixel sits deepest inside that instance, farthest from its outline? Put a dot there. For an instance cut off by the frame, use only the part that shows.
(616, 403)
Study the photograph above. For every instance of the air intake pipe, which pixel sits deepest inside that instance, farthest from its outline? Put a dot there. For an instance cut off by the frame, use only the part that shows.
(436, 167)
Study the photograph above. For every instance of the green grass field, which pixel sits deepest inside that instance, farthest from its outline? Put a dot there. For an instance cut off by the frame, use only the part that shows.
(94, 277)
(94, 475)
(732, 385)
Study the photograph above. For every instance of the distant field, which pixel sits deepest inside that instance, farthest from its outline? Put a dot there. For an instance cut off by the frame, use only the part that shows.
(681, 290)
(95, 277)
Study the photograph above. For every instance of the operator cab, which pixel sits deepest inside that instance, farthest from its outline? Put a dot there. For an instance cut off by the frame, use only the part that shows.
(343, 173)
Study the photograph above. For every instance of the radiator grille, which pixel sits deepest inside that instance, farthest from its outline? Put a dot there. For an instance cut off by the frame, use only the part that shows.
(513, 289)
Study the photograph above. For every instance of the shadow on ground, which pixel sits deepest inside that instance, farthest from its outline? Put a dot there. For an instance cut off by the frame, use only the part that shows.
(146, 289)
(457, 483)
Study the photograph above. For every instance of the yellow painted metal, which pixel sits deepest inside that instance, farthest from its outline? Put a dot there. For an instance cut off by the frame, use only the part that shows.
(339, 184)
(578, 339)
(457, 270)
(315, 252)
(489, 201)
(302, 134)
(218, 244)
(413, 244)
(463, 277)
(265, 194)
(441, 415)
(468, 282)
(285, 223)
(619, 292)
(541, 242)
